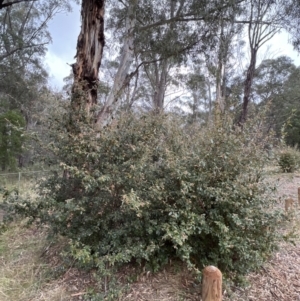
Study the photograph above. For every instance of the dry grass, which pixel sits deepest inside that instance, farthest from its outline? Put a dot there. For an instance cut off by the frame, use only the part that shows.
(23, 274)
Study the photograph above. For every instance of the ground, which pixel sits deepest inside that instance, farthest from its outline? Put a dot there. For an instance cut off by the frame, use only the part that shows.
(31, 270)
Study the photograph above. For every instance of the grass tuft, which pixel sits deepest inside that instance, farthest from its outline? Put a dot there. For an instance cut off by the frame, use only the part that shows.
(23, 274)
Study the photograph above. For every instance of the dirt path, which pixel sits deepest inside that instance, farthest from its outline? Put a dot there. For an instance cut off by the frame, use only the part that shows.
(279, 279)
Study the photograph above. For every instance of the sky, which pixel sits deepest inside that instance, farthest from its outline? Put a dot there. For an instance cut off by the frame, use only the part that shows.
(65, 28)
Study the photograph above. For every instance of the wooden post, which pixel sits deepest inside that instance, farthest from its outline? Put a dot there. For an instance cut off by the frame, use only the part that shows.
(289, 203)
(299, 196)
(212, 284)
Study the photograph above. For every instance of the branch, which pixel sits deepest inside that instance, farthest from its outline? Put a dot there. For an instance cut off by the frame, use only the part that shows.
(2, 57)
(3, 5)
(187, 17)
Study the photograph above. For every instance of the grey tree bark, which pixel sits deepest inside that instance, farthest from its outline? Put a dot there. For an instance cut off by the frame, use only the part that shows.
(265, 21)
(127, 55)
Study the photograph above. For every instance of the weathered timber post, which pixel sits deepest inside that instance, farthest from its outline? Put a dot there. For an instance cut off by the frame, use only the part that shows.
(299, 196)
(289, 203)
(212, 284)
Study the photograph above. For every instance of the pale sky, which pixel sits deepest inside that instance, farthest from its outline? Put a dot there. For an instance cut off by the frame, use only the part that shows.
(65, 28)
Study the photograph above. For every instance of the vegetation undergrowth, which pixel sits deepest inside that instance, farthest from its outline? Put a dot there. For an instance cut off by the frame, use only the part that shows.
(289, 159)
(24, 275)
(149, 189)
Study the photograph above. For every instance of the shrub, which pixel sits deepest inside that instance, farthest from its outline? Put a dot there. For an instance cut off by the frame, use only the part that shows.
(149, 189)
(288, 160)
(292, 130)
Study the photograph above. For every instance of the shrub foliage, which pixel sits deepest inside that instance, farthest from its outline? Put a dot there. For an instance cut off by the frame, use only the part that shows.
(288, 159)
(150, 189)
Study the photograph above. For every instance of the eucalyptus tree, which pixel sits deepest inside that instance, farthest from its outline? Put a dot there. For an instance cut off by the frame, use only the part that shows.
(292, 24)
(270, 79)
(90, 45)
(222, 59)
(24, 37)
(264, 18)
(276, 86)
(121, 79)
(23, 25)
(158, 36)
(12, 139)
(23, 43)
(199, 103)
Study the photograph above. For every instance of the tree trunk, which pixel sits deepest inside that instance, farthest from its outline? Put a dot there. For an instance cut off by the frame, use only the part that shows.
(248, 86)
(209, 103)
(160, 87)
(222, 54)
(88, 59)
(112, 102)
(220, 101)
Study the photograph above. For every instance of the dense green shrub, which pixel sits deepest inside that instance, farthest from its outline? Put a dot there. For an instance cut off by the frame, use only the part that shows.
(292, 130)
(149, 189)
(287, 162)
(288, 159)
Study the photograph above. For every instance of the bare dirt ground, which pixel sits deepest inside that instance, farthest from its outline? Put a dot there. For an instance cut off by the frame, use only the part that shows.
(279, 279)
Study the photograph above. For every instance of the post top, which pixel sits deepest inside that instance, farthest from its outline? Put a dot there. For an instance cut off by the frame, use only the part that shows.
(212, 271)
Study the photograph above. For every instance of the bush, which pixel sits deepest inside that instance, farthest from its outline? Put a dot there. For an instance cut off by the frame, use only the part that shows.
(292, 130)
(288, 160)
(148, 189)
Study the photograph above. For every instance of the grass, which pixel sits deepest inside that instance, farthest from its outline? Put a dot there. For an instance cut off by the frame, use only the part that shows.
(23, 273)
(27, 273)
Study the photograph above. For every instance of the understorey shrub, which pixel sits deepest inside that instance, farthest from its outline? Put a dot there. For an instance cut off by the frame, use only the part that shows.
(288, 159)
(149, 189)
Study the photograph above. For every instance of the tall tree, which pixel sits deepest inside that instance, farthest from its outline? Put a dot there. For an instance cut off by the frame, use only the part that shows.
(90, 45)
(24, 37)
(276, 86)
(122, 76)
(159, 36)
(88, 60)
(265, 19)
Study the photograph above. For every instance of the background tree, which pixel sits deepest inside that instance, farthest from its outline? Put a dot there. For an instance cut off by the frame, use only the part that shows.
(265, 18)
(24, 37)
(276, 86)
(11, 139)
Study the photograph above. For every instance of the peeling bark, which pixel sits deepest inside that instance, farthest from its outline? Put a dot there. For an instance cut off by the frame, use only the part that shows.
(90, 45)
